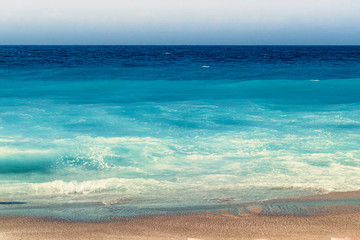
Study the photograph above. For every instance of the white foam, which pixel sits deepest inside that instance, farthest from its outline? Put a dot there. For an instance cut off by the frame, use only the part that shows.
(94, 186)
(3, 140)
(6, 151)
(201, 165)
(237, 155)
(115, 200)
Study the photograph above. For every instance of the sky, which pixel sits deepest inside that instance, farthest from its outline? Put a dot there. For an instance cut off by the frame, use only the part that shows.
(177, 22)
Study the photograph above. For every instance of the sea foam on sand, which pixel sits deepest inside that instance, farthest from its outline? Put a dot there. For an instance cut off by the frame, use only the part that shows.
(328, 220)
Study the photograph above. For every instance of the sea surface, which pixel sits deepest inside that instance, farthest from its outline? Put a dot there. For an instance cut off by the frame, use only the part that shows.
(90, 132)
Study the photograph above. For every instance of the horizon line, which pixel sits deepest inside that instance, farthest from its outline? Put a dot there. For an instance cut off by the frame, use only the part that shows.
(240, 45)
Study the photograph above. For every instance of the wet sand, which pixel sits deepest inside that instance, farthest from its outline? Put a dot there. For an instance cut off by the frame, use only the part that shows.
(252, 221)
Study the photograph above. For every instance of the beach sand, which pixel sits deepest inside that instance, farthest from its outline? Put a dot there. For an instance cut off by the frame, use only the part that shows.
(252, 221)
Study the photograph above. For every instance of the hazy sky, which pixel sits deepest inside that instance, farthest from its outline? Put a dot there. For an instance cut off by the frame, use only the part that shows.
(179, 22)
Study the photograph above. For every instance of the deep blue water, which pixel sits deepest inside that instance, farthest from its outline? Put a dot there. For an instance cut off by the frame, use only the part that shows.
(132, 128)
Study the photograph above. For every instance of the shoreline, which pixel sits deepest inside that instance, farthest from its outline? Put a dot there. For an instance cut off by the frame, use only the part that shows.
(324, 216)
(310, 205)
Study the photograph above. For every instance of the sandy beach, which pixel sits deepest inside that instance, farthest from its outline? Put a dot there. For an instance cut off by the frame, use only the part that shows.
(252, 221)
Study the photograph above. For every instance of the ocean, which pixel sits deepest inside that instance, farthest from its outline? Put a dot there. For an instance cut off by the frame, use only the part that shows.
(92, 132)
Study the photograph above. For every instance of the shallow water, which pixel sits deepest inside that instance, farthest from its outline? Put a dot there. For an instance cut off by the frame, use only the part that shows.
(110, 129)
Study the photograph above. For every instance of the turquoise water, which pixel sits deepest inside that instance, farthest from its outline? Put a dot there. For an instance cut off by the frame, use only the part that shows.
(93, 131)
